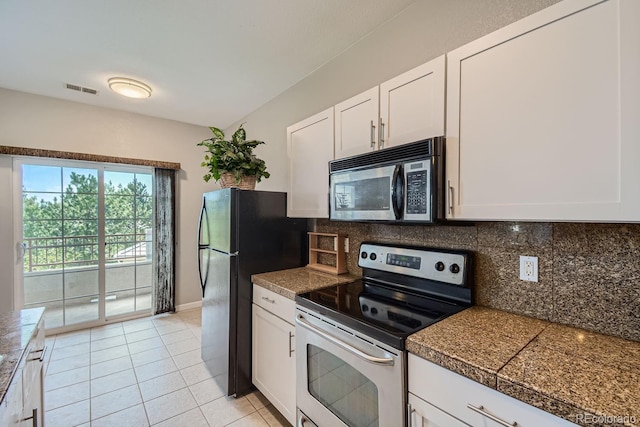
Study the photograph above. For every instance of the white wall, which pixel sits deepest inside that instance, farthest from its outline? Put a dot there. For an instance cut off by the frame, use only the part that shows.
(40, 122)
(425, 30)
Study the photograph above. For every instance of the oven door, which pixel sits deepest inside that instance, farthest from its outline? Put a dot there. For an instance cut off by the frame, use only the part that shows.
(344, 380)
(373, 194)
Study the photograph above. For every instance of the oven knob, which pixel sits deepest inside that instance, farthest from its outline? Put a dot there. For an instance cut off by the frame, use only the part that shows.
(374, 311)
(439, 265)
(455, 268)
(363, 255)
(365, 308)
(373, 256)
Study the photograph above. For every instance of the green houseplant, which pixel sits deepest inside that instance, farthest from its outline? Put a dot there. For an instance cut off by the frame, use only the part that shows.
(232, 162)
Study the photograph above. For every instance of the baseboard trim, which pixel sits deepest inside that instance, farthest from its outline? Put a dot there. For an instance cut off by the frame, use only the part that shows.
(189, 306)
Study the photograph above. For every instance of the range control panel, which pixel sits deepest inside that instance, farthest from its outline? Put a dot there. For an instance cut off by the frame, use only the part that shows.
(425, 263)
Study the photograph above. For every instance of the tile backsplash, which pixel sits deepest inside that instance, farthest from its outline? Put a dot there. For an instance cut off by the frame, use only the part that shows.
(588, 274)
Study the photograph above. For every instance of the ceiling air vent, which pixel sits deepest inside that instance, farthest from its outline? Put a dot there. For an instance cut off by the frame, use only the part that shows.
(82, 89)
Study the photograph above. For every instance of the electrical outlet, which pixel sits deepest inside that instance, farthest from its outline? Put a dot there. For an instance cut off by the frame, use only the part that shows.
(529, 268)
(346, 244)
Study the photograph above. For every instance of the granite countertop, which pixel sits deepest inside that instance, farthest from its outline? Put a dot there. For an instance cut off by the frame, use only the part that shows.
(16, 330)
(560, 369)
(289, 283)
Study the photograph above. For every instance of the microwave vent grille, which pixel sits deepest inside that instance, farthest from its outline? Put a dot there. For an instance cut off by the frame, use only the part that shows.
(420, 149)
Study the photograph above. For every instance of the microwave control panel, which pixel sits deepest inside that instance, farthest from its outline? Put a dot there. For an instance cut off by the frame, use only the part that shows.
(417, 187)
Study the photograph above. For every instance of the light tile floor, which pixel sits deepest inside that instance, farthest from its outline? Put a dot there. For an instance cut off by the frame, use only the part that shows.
(143, 372)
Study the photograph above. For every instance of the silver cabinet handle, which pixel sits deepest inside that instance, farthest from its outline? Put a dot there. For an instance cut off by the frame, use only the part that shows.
(410, 412)
(300, 320)
(480, 410)
(291, 349)
(270, 301)
(33, 417)
(450, 188)
(40, 358)
(381, 143)
(373, 135)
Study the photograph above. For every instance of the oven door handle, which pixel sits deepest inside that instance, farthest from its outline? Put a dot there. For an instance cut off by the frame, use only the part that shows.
(300, 320)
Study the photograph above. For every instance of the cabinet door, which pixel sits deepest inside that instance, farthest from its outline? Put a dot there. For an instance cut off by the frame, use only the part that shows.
(412, 104)
(33, 400)
(11, 406)
(542, 117)
(357, 124)
(274, 366)
(310, 148)
(423, 414)
(32, 379)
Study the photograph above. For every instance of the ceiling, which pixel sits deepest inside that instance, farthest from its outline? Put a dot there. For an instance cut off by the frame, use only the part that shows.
(209, 62)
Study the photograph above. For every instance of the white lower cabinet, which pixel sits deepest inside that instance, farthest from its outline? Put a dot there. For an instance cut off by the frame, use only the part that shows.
(274, 363)
(33, 381)
(23, 403)
(442, 393)
(11, 407)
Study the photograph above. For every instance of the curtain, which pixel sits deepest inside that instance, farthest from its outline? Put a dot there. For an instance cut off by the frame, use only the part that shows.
(164, 246)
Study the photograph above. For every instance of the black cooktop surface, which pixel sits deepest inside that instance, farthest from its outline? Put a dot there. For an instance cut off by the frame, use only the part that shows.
(383, 313)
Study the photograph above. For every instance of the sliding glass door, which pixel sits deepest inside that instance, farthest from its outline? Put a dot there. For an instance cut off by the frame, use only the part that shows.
(61, 243)
(87, 234)
(128, 232)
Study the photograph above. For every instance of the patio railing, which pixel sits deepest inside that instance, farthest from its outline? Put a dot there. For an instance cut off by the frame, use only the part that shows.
(52, 253)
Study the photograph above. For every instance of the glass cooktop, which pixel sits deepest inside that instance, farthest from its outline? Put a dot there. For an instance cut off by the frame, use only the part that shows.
(383, 313)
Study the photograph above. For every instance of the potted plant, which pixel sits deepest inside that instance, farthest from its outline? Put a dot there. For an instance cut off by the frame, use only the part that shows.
(232, 162)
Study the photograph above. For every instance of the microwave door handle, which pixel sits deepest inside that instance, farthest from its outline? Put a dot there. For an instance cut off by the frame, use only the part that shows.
(397, 192)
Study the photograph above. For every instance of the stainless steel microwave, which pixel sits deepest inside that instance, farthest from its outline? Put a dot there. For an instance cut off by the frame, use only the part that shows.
(397, 184)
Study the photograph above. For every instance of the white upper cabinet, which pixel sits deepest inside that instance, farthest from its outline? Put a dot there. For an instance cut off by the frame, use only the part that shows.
(407, 108)
(310, 148)
(412, 104)
(542, 117)
(357, 124)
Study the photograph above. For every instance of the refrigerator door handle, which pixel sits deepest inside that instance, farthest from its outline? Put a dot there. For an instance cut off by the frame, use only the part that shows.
(203, 214)
(202, 280)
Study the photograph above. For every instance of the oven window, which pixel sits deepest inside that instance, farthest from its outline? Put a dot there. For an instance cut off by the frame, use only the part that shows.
(373, 194)
(341, 388)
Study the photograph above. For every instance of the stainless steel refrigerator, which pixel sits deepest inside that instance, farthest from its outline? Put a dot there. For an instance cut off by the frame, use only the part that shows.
(240, 233)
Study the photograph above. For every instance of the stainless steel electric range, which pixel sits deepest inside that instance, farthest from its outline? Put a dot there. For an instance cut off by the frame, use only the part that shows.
(350, 339)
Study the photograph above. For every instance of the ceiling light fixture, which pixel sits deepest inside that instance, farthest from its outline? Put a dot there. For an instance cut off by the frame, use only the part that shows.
(129, 87)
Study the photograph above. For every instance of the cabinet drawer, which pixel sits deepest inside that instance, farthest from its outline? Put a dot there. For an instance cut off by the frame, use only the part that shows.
(277, 304)
(453, 393)
(423, 414)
